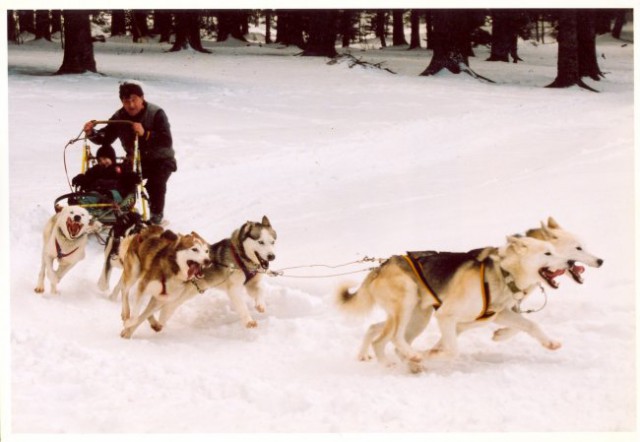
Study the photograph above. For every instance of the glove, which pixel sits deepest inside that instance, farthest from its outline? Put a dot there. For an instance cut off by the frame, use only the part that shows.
(78, 180)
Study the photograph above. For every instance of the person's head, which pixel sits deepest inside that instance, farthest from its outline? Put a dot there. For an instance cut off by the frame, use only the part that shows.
(132, 98)
(106, 156)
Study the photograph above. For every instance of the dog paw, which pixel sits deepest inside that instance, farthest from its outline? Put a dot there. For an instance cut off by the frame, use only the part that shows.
(438, 354)
(157, 327)
(39, 289)
(251, 324)
(365, 357)
(552, 345)
(126, 333)
(102, 285)
(261, 308)
(415, 368)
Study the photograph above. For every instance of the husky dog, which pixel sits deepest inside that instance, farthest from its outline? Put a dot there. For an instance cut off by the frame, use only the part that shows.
(126, 224)
(462, 289)
(65, 239)
(237, 267)
(567, 245)
(158, 262)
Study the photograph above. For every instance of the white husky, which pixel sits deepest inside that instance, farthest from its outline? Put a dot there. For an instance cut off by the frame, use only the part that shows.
(64, 240)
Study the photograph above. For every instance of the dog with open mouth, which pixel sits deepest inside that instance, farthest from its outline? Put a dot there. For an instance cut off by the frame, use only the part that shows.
(157, 263)
(238, 264)
(462, 290)
(566, 244)
(65, 237)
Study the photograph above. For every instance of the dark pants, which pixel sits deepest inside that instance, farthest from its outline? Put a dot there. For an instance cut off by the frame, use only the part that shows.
(157, 174)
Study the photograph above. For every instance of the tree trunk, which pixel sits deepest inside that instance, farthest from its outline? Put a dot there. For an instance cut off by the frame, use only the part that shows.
(78, 48)
(139, 27)
(163, 25)
(415, 29)
(27, 21)
(289, 29)
(118, 23)
(231, 23)
(398, 28)
(587, 58)
(620, 21)
(12, 27)
(381, 27)
(428, 17)
(450, 42)
(267, 24)
(346, 25)
(500, 38)
(568, 63)
(188, 31)
(322, 33)
(56, 21)
(43, 25)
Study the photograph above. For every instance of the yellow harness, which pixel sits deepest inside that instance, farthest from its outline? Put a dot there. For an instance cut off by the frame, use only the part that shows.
(484, 288)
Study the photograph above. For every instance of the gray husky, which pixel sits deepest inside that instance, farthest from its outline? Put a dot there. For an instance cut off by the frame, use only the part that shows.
(238, 265)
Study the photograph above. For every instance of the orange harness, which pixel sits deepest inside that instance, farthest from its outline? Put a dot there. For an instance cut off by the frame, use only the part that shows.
(484, 288)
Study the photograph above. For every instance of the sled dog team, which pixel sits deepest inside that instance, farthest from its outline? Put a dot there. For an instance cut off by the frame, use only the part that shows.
(461, 290)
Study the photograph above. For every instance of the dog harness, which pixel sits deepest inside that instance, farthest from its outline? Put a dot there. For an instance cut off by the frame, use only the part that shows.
(59, 253)
(415, 262)
(248, 274)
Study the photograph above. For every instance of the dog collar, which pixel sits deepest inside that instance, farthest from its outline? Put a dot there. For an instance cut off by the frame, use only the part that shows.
(511, 283)
(59, 253)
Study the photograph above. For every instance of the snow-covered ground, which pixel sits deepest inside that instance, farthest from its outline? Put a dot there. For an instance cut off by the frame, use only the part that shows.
(346, 162)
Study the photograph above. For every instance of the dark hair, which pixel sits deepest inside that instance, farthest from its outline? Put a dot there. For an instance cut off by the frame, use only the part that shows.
(127, 89)
(106, 151)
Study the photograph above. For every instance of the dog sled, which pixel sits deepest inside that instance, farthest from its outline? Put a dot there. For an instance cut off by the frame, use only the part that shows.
(106, 205)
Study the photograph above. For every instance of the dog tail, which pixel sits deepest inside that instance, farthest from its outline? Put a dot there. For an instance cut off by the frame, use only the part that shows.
(358, 302)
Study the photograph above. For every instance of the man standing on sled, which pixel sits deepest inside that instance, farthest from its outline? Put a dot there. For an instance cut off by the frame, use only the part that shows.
(151, 125)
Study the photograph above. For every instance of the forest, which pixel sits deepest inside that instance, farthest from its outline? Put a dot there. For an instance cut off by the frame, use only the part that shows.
(450, 34)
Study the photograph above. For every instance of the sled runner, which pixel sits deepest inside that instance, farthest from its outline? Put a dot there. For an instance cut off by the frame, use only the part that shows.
(107, 204)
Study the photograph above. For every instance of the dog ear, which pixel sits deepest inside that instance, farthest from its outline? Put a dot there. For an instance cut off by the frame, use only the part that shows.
(517, 243)
(552, 223)
(265, 221)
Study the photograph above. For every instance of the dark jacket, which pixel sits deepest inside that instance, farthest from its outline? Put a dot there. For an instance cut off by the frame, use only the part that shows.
(102, 179)
(156, 145)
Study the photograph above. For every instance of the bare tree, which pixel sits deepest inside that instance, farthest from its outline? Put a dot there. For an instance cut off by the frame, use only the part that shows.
(322, 33)
(587, 58)
(78, 48)
(12, 27)
(188, 31)
(568, 59)
(381, 27)
(398, 28)
(43, 25)
(232, 23)
(162, 24)
(451, 42)
(139, 26)
(267, 25)
(290, 26)
(415, 29)
(118, 22)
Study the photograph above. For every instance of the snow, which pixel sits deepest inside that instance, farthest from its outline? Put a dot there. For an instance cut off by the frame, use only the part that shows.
(347, 163)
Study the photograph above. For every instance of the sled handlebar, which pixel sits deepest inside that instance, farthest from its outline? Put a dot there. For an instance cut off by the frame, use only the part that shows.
(112, 122)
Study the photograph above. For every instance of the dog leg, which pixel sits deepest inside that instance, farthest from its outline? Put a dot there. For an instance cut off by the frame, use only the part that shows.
(502, 334)
(419, 320)
(381, 341)
(447, 346)
(254, 290)
(240, 307)
(132, 324)
(373, 331)
(116, 290)
(168, 310)
(40, 285)
(103, 281)
(512, 319)
(404, 315)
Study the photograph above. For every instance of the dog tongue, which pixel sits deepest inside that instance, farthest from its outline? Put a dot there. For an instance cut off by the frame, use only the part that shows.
(193, 269)
(73, 227)
(556, 273)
